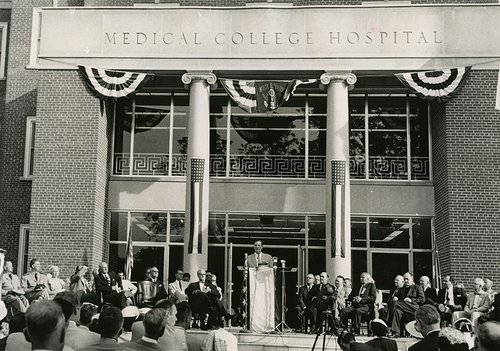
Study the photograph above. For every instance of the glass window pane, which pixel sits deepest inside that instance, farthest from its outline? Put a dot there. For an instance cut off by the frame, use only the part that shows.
(386, 266)
(389, 232)
(387, 122)
(422, 233)
(359, 265)
(216, 228)
(386, 105)
(317, 231)
(118, 226)
(271, 229)
(317, 261)
(175, 261)
(144, 257)
(357, 154)
(357, 112)
(148, 226)
(419, 134)
(388, 159)
(358, 232)
(177, 227)
(317, 106)
(422, 265)
(123, 122)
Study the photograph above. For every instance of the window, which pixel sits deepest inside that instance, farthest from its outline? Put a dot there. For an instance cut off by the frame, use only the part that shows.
(22, 252)
(3, 48)
(29, 147)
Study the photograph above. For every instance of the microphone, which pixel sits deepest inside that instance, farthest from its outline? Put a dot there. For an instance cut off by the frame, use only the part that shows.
(275, 262)
(282, 263)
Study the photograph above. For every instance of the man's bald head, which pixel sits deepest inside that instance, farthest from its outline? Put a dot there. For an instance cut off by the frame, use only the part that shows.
(488, 337)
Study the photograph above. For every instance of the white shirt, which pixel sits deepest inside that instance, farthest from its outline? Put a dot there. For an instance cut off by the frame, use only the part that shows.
(451, 300)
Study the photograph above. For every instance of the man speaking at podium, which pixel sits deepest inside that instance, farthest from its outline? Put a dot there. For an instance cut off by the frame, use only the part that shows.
(261, 290)
(259, 258)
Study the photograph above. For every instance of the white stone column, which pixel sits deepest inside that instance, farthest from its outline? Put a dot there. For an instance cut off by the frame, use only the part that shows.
(197, 180)
(338, 204)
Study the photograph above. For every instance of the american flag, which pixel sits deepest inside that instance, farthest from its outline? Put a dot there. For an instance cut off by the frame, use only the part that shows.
(196, 204)
(129, 261)
(338, 203)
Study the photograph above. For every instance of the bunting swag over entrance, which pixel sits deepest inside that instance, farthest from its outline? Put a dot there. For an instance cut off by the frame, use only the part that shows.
(439, 85)
(110, 84)
(261, 96)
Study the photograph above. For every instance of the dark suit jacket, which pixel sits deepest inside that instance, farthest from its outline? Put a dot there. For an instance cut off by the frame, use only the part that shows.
(459, 296)
(161, 292)
(304, 297)
(430, 296)
(368, 296)
(356, 346)
(383, 344)
(416, 294)
(102, 285)
(429, 343)
(193, 287)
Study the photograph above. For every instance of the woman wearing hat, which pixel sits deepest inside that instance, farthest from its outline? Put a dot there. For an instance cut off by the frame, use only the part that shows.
(379, 329)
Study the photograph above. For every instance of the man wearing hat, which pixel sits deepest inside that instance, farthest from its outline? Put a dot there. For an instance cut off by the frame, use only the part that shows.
(379, 329)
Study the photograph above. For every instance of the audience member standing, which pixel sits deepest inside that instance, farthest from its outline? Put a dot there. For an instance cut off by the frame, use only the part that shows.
(110, 327)
(34, 283)
(427, 322)
(12, 292)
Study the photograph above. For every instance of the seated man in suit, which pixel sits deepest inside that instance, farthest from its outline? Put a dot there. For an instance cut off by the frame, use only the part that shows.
(404, 310)
(177, 289)
(110, 286)
(304, 302)
(12, 293)
(478, 303)
(161, 293)
(450, 299)
(429, 292)
(34, 283)
(203, 298)
(395, 295)
(363, 303)
(341, 298)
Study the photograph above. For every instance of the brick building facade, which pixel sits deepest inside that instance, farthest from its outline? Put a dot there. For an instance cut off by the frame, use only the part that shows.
(77, 207)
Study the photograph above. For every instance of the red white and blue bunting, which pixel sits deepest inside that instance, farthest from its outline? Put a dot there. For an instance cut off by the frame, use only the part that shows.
(440, 85)
(261, 96)
(111, 84)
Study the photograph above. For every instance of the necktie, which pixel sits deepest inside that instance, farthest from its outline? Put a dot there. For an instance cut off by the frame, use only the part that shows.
(258, 259)
(107, 278)
(180, 285)
(447, 300)
(36, 277)
(10, 276)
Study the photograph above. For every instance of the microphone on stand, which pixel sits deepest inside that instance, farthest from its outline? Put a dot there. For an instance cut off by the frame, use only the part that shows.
(275, 262)
(282, 263)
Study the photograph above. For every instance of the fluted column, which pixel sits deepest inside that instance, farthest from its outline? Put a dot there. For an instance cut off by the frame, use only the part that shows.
(197, 180)
(338, 204)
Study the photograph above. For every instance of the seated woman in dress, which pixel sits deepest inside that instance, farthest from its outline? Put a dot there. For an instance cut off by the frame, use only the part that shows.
(55, 284)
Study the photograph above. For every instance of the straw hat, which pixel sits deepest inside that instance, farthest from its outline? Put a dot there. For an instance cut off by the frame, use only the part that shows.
(410, 328)
(3, 311)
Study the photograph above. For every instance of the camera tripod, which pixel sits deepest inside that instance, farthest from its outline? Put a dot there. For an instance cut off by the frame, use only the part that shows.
(327, 316)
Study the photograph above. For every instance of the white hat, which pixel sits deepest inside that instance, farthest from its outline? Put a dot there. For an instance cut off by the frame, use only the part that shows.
(410, 328)
(380, 321)
(3, 311)
(130, 311)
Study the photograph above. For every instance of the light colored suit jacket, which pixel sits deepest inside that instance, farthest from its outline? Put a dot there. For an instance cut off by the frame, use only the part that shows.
(29, 281)
(9, 284)
(265, 260)
(78, 338)
(174, 286)
(17, 342)
(483, 305)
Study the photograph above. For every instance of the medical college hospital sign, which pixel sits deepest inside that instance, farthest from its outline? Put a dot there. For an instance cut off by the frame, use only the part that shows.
(250, 33)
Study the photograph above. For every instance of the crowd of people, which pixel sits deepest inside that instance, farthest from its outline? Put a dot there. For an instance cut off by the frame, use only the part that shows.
(92, 309)
(446, 318)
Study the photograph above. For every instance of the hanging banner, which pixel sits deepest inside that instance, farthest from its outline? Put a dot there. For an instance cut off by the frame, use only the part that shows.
(109, 84)
(261, 96)
(439, 85)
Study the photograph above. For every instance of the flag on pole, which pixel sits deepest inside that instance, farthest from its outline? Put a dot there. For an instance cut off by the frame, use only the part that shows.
(440, 85)
(261, 96)
(110, 84)
(195, 244)
(338, 204)
(129, 261)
